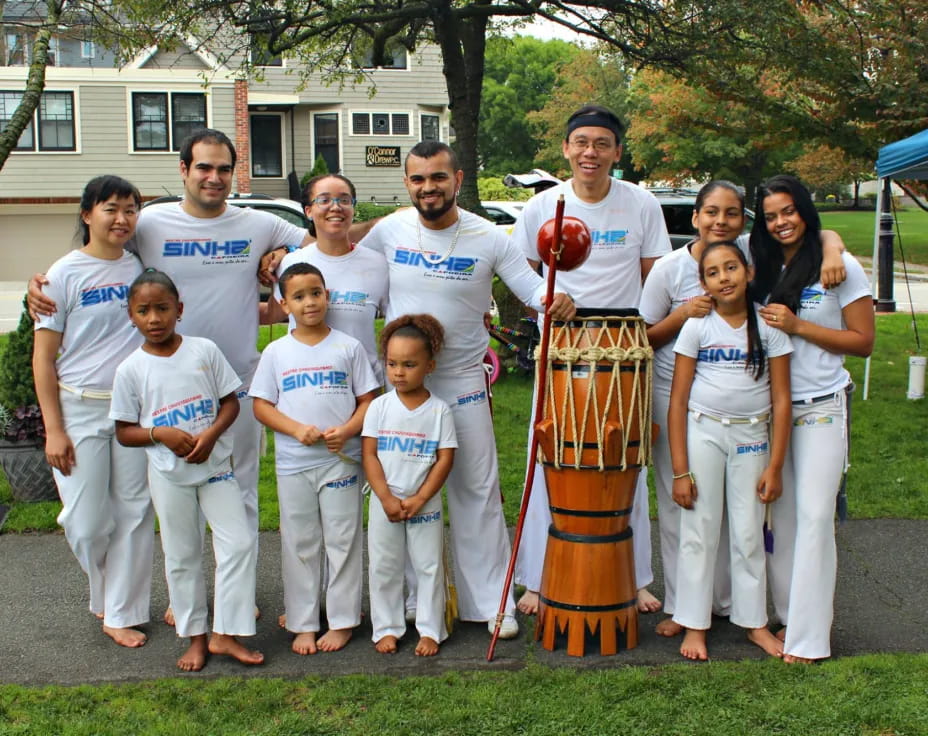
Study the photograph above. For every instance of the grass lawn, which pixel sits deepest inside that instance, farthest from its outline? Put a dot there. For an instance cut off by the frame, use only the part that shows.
(856, 229)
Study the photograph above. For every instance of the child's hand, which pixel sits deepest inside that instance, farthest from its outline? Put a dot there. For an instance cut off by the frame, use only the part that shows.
(412, 505)
(393, 508)
(307, 434)
(203, 446)
(335, 438)
(176, 440)
(684, 491)
(770, 486)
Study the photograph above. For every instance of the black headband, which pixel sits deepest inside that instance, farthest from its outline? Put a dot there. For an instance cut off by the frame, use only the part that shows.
(596, 120)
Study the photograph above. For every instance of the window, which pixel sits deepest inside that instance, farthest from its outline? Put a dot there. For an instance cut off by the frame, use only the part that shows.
(266, 155)
(260, 55)
(325, 137)
(53, 51)
(395, 57)
(430, 127)
(16, 51)
(159, 126)
(88, 50)
(379, 123)
(54, 120)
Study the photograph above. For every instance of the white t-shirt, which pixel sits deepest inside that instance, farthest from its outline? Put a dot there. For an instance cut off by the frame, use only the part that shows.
(357, 286)
(722, 386)
(92, 295)
(214, 263)
(456, 291)
(813, 370)
(313, 384)
(182, 391)
(626, 225)
(673, 280)
(408, 441)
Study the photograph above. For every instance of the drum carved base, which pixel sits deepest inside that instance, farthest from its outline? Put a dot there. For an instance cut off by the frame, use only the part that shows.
(614, 630)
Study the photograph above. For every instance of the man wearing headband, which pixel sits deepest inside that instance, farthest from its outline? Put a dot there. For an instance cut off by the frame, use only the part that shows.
(629, 235)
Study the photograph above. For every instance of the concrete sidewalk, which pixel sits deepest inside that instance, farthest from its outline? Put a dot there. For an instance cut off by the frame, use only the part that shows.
(47, 635)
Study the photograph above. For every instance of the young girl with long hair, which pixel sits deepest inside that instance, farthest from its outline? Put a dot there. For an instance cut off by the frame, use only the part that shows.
(825, 324)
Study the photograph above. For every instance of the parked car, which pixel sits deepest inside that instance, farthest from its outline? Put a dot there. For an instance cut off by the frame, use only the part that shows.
(503, 214)
(677, 206)
(287, 209)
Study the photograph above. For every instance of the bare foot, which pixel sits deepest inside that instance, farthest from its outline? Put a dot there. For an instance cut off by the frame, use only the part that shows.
(125, 636)
(528, 603)
(647, 603)
(793, 659)
(387, 645)
(766, 641)
(257, 613)
(305, 643)
(98, 616)
(282, 620)
(694, 645)
(427, 647)
(194, 659)
(334, 639)
(669, 628)
(229, 645)
(781, 634)
(169, 616)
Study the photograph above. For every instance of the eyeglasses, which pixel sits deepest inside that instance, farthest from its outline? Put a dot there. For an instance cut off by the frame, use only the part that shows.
(600, 145)
(323, 200)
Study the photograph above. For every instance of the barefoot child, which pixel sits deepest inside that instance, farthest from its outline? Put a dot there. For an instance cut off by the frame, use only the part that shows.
(730, 367)
(106, 507)
(312, 388)
(408, 448)
(175, 396)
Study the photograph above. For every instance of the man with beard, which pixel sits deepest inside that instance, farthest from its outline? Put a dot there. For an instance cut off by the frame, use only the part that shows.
(441, 261)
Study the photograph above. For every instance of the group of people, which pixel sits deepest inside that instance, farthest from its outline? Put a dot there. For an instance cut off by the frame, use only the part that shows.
(182, 379)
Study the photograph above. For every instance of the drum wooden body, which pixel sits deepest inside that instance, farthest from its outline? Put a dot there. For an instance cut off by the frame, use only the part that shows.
(595, 436)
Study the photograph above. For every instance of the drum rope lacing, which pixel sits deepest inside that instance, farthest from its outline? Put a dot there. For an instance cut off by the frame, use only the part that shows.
(629, 345)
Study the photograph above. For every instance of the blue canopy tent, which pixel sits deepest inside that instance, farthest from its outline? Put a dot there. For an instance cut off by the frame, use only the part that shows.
(905, 159)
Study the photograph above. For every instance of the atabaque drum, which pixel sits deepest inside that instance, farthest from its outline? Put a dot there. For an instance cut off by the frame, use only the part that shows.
(594, 438)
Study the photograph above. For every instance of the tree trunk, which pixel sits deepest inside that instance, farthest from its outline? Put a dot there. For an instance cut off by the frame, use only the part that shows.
(35, 83)
(463, 42)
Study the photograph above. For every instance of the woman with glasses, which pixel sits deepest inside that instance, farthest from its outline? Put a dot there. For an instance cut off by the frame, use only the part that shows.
(356, 278)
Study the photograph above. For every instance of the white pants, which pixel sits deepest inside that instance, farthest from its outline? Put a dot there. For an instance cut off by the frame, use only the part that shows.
(246, 443)
(107, 515)
(668, 516)
(804, 564)
(388, 543)
(320, 511)
(531, 559)
(727, 461)
(479, 540)
(179, 512)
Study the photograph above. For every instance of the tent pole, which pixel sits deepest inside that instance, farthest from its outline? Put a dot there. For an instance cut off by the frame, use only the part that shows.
(874, 270)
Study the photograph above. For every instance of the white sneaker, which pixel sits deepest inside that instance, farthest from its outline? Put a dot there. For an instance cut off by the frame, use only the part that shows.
(508, 629)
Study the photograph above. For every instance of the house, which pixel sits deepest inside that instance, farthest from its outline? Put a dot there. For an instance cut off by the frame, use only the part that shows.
(95, 118)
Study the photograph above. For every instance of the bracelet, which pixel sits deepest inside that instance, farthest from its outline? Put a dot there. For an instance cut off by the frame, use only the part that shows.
(151, 435)
(685, 475)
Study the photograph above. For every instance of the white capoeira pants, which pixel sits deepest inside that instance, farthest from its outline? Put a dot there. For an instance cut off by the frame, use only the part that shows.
(320, 512)
(727, 461)
(179, 511)
(668, 516)
(246, 443)
(388, 543)
(107, 515)
(531, 558)
(479, 540)
(803, 567)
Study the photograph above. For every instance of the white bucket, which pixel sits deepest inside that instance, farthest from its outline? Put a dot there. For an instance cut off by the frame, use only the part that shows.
(916, 377)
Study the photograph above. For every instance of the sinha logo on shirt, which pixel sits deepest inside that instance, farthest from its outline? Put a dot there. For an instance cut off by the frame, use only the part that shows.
(103, 294)
(314, 378)
(185, 412)
(811, 297)
(460, 266)
(347, 297)
(722, 355)
(474, 397)
(407, 445)
(346, 482)
(752, 448)
(609, 237)
(206, 247)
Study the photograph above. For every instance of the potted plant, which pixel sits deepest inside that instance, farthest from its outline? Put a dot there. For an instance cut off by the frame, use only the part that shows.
(22, 433)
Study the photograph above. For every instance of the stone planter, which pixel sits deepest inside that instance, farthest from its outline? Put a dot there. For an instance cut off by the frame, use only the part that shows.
(28, 472)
